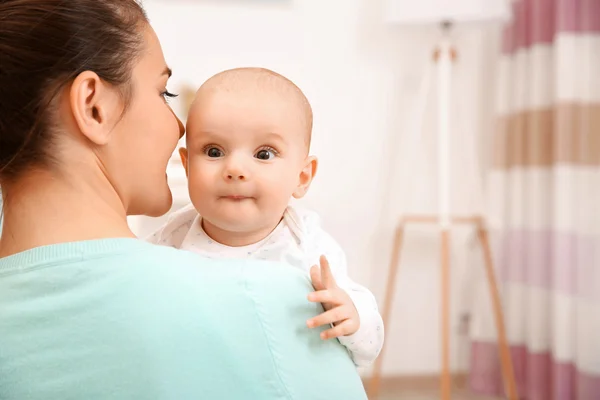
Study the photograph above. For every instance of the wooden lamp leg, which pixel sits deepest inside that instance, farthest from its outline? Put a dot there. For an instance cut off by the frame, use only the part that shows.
(446, 388)
(387, 307)
(508, 375)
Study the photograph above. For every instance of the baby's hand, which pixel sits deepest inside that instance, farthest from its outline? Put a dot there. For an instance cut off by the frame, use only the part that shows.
(339, 307)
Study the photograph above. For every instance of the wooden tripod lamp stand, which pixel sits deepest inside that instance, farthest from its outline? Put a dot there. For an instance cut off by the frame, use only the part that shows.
(482, 234)
(444, 14)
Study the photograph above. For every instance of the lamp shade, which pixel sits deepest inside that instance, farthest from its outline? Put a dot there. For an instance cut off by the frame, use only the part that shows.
(429, 12)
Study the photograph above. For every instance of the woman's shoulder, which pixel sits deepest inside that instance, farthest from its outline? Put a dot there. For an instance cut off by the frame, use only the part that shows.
(187, 275)
(171, 318)
(257, 311)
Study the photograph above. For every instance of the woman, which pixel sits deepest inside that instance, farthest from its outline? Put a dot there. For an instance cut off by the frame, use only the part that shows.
(86, 310)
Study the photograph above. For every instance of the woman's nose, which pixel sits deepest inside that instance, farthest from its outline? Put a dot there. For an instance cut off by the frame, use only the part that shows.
(181, 127)
(179, 124)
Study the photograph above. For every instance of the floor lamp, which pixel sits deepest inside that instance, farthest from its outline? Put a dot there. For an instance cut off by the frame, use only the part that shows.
(444, 15)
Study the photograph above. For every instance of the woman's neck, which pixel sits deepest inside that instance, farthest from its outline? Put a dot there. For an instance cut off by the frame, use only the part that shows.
(45, 208)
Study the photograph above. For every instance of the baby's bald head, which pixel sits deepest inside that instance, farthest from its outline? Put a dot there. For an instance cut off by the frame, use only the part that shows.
(248, 135)
(262, 82)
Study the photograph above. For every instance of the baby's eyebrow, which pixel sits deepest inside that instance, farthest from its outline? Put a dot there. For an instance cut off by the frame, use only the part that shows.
(194, 136)
(274, 136)
(208, 134)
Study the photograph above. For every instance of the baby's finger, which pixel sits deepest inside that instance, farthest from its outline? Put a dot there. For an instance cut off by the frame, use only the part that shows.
(325, 296)
(329, 317)
(342, 329)
(326, 275)
(315, 277)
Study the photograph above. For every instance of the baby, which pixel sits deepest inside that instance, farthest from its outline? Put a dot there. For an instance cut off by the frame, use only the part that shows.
(246, 156)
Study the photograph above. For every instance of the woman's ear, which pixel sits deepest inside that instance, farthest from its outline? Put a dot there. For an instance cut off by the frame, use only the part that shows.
(183, 154)
(307, 174)
(94, 105)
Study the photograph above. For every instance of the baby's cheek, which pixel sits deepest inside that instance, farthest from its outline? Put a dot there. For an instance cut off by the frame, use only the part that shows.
(199, 186)
(201, 176)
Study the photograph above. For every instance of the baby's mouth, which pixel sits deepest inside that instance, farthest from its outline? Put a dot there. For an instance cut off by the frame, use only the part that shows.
(236, 197)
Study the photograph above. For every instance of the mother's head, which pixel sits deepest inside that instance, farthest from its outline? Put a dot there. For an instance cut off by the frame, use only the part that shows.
(83, 99)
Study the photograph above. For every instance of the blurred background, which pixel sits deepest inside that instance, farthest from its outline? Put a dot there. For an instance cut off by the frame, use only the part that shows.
(525, 154)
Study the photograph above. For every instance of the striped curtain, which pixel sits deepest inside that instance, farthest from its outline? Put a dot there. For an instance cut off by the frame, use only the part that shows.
(544, 205)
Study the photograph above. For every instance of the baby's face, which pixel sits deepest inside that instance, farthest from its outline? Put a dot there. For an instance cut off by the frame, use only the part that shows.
(246, 153)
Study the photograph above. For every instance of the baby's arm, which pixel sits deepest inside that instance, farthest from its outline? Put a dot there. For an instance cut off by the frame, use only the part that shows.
(365, 344)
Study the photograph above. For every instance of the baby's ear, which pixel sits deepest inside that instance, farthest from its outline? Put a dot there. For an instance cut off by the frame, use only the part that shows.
(183, 154)
(307, 174)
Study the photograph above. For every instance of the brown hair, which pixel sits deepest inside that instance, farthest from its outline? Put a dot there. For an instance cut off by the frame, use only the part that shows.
(44, 45)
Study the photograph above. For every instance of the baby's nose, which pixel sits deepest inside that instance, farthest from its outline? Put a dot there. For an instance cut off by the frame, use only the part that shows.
(236, 176)
(235, 168)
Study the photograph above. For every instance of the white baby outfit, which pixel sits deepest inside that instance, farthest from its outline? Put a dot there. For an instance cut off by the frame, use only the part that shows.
(298, 241)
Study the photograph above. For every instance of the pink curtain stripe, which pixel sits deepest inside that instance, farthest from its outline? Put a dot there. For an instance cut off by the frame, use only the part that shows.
(542, 26)
(578, 16)
(539, 376)
(520, 33)
(548, 260)
(539, 21)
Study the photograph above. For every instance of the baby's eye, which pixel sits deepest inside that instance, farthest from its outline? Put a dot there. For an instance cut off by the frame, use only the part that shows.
(265, 154)
(213, 152)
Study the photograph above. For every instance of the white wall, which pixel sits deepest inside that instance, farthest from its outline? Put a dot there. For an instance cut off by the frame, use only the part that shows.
(362, 78)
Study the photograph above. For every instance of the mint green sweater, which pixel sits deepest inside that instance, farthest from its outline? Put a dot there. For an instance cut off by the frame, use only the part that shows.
(124, 319)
